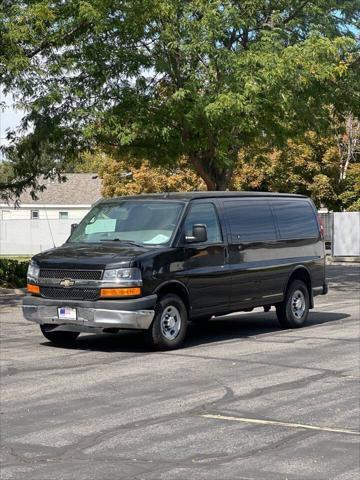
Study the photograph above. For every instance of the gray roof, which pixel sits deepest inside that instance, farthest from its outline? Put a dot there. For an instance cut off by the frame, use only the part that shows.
(79, 189)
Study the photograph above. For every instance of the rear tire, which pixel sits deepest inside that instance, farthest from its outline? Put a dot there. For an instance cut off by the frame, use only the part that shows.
(294, 310)
(59, 338)
(169, 326)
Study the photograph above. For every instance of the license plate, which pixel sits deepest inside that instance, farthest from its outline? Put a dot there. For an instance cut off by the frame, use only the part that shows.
(67, 313)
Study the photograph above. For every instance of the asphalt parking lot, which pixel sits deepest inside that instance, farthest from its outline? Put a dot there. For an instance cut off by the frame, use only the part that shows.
(242, 400)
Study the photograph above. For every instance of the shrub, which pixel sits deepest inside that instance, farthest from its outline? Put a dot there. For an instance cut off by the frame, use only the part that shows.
(13, 272)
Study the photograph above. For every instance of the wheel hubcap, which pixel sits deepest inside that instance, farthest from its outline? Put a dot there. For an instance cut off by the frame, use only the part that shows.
(298, 304)
(170, 322)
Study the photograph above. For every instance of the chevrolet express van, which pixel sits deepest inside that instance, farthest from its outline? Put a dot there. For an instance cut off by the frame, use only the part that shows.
(156, 262)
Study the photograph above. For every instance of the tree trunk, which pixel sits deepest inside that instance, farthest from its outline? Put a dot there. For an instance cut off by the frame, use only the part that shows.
(223, 181)
(204, 163)
(215, 178)
(348, 144)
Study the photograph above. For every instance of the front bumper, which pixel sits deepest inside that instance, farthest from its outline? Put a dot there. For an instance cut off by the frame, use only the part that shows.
(93, 317)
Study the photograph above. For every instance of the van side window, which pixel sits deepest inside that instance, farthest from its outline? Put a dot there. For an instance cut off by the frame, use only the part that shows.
(296, 219)
(205, 214)
(250, 221)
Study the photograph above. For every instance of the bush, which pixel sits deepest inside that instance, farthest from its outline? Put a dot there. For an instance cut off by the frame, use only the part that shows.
(13, 272)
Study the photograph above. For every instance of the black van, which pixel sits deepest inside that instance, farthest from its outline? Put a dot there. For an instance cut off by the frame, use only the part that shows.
(155, 262)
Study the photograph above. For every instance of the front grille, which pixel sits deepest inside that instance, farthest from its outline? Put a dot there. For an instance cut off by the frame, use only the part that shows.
(70, 293)
(74, 274)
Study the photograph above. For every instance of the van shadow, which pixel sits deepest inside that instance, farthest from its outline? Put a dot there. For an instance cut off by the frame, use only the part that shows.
(250, 325)
(232, 327)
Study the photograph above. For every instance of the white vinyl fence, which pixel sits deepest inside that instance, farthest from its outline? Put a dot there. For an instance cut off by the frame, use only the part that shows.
(346, 234)
(28, 237)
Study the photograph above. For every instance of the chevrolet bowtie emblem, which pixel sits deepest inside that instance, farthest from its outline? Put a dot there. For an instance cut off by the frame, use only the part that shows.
(67, 282)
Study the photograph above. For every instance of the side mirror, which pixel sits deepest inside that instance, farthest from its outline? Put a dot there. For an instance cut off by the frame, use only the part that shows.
(73, 226)
(199, 234)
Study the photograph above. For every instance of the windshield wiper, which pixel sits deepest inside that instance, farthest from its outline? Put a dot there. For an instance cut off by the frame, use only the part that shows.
(126, 242)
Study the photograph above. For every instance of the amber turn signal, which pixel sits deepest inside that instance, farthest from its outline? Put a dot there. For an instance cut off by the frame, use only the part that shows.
(120, 292)
(34, 289)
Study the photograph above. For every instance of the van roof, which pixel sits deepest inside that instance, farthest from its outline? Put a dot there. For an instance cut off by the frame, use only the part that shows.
(187, 196)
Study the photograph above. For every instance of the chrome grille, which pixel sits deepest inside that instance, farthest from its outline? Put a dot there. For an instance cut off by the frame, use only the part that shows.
(70, 293)
(74, 274)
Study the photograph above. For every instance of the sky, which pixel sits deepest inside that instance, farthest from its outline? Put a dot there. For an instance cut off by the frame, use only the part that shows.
(10, 118)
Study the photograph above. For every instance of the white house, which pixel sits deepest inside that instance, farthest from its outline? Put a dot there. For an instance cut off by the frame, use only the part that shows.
(67, 200)
(37, 225)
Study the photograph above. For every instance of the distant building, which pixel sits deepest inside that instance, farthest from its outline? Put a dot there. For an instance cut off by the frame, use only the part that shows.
(67, 200)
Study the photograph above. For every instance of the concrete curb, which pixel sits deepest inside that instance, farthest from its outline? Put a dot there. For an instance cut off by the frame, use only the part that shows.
(19, 292)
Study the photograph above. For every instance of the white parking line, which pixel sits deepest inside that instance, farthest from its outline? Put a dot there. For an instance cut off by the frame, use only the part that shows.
(258, 421)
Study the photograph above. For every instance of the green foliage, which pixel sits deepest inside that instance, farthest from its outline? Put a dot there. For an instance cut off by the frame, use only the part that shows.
(26, 161)
(90, 162)
(13, 273)
(6, 172)
(168, 79)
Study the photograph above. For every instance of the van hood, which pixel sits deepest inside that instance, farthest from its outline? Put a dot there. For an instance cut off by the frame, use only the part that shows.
(90, 255)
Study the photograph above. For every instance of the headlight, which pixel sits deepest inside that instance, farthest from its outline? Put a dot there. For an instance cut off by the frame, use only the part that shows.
(123, 276)
(33, 272)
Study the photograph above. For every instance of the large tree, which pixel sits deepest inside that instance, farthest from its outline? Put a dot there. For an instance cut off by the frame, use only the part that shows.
(168, 79)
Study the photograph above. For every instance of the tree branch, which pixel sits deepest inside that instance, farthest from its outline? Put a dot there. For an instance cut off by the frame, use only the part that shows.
(48, 44)
(295, 12)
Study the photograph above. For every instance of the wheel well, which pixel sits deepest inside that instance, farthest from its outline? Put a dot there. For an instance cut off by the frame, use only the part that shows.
(176, 289)
(303, 275)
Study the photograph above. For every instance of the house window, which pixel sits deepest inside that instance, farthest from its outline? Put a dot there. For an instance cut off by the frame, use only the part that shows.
(63, 215)
(34, 214)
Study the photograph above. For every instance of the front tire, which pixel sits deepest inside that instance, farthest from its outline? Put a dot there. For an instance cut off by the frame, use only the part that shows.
(169, 326)
(294, 310)
(59, 338)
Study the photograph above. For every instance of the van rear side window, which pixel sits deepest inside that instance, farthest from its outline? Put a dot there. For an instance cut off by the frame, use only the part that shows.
(296, 219)
(250, 221)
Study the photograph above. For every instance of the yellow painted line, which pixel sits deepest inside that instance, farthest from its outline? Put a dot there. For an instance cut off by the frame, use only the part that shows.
(258, 421)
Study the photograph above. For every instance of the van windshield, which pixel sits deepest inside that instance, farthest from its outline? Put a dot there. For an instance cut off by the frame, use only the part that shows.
(134, 221)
